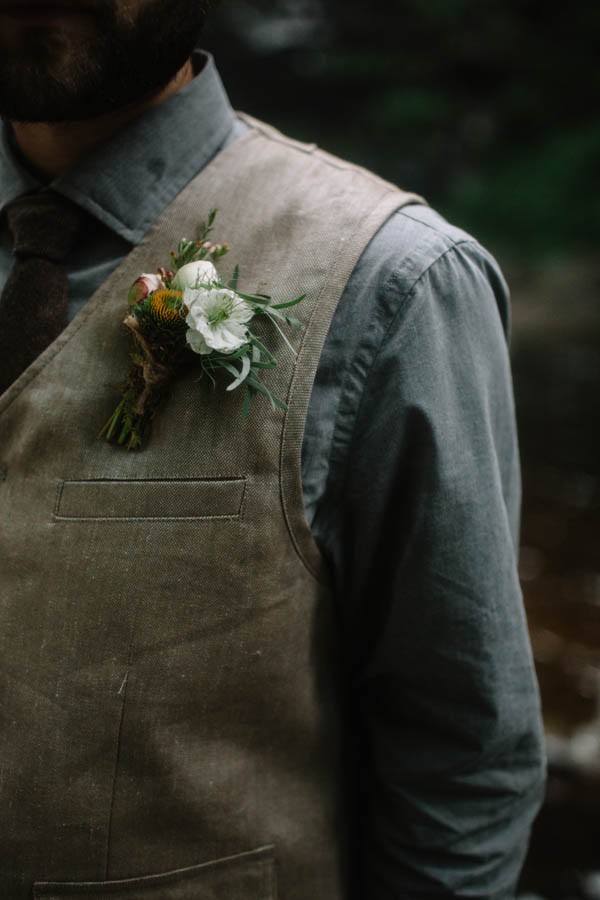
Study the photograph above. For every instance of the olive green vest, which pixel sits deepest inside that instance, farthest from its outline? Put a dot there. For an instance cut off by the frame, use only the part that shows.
(171, 718)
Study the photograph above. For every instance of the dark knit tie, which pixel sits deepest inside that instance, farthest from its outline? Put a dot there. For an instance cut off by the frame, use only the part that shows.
(33, 304)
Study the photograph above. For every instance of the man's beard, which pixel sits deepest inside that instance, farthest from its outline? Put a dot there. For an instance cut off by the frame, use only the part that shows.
(54, 76)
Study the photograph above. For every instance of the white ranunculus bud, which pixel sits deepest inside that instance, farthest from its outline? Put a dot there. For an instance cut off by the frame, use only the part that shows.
(194, 275)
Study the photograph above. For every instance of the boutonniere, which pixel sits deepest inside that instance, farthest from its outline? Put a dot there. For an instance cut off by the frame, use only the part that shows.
(186, 317)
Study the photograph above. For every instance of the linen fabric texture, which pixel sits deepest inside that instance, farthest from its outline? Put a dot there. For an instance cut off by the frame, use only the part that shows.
(167, 626)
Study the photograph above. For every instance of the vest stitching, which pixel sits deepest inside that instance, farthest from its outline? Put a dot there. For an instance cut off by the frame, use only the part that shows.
(123, 691)
(91, 518)
(351, 241)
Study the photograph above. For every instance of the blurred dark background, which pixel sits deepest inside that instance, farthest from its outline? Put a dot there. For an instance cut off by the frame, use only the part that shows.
(490, 110)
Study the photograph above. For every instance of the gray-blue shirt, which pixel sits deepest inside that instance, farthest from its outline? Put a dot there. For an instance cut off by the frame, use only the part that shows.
(411, 485)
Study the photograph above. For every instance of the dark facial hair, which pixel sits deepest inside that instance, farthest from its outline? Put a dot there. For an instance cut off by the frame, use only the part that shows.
(119, 63)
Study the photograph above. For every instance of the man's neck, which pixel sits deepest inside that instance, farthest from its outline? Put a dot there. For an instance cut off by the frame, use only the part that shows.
(51, 147)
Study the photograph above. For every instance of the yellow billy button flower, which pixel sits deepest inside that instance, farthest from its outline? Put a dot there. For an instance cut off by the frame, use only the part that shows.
(165, 306)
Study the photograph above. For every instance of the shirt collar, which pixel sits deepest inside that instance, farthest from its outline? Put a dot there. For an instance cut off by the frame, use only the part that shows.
(130, 179)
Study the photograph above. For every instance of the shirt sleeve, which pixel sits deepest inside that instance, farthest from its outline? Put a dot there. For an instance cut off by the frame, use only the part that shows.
(421, 530)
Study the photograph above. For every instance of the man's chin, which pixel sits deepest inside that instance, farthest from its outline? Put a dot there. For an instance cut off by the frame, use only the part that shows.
(56, 74)
(34, 105)
(34, 96)
(32, 92)
(52, 45)
(58, 80)
(35, 74)
(16, 21)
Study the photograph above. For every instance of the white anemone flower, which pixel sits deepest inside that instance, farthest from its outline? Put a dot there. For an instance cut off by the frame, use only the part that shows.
(217, 320)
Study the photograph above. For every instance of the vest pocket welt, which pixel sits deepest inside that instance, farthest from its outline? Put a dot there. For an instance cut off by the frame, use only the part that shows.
(150, 499)
(246, 876)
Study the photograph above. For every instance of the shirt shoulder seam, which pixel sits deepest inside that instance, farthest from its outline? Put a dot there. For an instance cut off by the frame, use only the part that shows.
(343, 436)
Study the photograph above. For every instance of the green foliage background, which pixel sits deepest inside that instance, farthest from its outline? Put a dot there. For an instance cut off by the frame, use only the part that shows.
(490, 109)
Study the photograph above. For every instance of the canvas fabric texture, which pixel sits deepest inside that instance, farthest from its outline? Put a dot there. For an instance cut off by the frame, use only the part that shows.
(172, 720)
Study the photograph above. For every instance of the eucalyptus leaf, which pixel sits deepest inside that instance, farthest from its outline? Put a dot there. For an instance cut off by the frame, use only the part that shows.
(254, 299)
(229, 367)
(289, 303)
(281, 333)
(245, 371)
(234, 280)
(258, 386)
(261, 347)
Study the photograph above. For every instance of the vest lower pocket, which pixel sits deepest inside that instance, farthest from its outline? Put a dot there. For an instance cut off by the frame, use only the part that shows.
(153, 499)
(246, 876)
